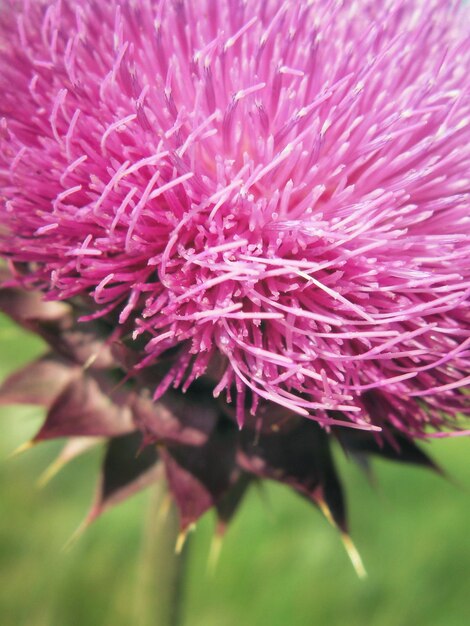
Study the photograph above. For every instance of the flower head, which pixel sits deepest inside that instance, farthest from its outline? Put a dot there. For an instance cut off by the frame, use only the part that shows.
(270, 198)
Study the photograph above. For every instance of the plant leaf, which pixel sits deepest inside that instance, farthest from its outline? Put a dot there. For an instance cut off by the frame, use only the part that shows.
(404, 451)
(301, 458)
(175, 419)
(40, 382)
(199, 476)
(127, 469)
(28, 308)
(85, 409)
(230, 501)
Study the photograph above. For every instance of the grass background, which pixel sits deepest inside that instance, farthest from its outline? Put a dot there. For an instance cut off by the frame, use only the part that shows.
(281, 564)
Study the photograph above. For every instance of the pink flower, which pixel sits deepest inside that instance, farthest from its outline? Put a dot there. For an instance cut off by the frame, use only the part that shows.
(273, 196)
(263, 204)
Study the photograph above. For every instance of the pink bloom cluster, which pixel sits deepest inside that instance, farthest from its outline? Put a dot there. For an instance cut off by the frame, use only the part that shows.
(276, 191)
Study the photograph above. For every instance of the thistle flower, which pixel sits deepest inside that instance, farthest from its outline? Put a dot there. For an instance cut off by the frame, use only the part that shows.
(253, 212)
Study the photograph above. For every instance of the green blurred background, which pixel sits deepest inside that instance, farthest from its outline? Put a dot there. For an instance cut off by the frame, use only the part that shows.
(281, 563)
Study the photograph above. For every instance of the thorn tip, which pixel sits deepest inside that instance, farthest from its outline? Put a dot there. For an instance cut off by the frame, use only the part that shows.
(354, 556)
(27, 445)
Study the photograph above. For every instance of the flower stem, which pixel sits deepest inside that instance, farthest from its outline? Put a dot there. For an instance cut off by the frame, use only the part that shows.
(162, 570)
